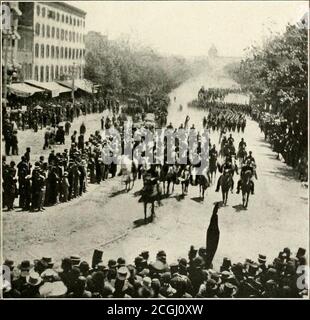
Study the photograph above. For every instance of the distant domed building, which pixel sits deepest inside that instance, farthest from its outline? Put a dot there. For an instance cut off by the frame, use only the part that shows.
(212, 53)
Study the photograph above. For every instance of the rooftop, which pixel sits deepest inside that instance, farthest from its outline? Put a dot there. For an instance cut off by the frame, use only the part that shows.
(66, 6)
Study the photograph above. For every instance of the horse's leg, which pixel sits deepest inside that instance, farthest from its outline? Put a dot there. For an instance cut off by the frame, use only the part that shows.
(247, 199)
(145, 209)
(153, 211)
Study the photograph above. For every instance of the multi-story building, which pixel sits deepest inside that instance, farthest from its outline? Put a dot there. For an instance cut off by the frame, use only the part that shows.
(52, 44)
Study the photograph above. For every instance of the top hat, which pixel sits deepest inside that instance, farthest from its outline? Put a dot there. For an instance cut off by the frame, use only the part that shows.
(75, 259)
(262, 258)
(301, 252)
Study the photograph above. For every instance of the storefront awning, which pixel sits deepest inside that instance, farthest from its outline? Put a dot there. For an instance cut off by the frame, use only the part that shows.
(68, 84)
(84, 85)
(23, 89)
(81, 84)
(53, 87)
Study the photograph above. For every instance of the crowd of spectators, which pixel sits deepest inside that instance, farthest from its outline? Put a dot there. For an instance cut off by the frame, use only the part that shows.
(185, 278)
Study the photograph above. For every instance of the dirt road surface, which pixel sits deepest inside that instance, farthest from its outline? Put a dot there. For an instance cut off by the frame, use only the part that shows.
(107, 218)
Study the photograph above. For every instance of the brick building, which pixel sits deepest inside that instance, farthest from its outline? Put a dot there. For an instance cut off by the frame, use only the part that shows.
(52, 41)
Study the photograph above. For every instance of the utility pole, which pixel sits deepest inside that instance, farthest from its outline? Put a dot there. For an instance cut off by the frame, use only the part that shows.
(72, 92)
(5, 76)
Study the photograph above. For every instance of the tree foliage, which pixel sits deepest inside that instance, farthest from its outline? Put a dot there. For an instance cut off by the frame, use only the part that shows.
(122, 65)
(277, 72)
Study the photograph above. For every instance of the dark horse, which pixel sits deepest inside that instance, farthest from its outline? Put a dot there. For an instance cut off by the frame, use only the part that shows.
(213, 167)
(246, 187)
(226, 184)
(150, 193)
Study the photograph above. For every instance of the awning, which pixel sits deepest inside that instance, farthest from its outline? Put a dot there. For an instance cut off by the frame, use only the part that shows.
(23, 89)
(54, 87)
(84, 85)
(68, 84)
(81, 84)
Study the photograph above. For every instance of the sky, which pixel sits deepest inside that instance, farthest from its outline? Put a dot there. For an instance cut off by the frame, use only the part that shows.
(189, 28)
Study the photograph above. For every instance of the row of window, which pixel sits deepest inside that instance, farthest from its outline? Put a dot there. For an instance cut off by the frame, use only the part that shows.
(58, 33)
(51, 73)
(47, 51)
(63, 18)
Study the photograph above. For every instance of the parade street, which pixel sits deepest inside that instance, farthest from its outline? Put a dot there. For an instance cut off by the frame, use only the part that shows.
(111, 220)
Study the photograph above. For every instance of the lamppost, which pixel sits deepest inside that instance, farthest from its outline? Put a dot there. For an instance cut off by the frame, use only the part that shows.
(73, 76)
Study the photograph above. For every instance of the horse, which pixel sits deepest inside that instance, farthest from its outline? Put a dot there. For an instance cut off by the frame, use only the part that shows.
(241, 155)
(246, 185)
(226, 183)
(184, 178)
(213, 166)
(204, 182)
(168, 174)
(128, 173)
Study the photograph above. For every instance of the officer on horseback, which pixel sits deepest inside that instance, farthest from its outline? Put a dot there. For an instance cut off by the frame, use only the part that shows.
(242, 144)
(253, 163)
(247, 167)
(226, 167)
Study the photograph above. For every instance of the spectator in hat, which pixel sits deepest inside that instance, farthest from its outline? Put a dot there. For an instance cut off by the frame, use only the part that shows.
(32, 286)
(79, 290)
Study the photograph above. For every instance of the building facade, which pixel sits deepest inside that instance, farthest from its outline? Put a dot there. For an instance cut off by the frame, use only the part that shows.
(52, 44)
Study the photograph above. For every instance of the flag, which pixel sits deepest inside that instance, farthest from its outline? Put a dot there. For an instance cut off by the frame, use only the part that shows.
(213, 236)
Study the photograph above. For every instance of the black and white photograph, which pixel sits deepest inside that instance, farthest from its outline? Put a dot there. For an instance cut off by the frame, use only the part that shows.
(154, 150)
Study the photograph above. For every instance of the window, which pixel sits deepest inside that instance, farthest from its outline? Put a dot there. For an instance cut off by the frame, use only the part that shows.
(57, 52)
(51, 14)
(78, 22)
(48, 31)
(65, 69)
(73, 36)
(36, 73)
(61, 70)
(43, 12)
(47, 73)
(42, 50)
(70, 36)
(36, 51)
(69, 53)
(62, 34)
(53, 32)
(52, 52)
(43, 30)
(56, 72)
(73, 53)
(61, 53)
(57, 16)
(57, 33)
(70, 20)
(66, 53)
(62, 18)
(42, 73)
(37, 28)
(66, 35)
(38, 10)
(67, 19)
(47, 51)
(52, 73)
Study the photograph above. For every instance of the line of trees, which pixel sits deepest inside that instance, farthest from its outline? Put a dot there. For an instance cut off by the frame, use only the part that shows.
(122, 65)
(276, 74)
